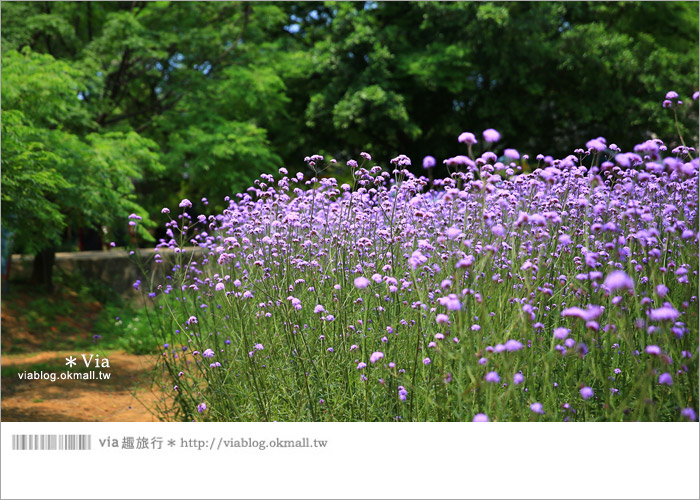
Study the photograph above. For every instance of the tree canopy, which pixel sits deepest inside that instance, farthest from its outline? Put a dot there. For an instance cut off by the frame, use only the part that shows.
(111, 108)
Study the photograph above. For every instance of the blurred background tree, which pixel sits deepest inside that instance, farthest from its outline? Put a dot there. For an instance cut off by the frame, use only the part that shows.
(118, 107)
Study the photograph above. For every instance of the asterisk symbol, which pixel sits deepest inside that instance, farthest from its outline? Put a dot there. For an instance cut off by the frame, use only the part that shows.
(70, 361)
(171, 442)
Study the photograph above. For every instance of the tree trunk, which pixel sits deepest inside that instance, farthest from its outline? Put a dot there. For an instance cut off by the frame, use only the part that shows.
(42, 273)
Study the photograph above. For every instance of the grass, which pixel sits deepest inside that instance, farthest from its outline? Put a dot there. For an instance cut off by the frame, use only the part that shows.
(72, 317)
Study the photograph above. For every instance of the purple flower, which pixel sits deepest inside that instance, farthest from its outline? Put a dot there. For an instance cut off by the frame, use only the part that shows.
(319, 309)
(518, 378)
(492, 377)
(665, 379)
(192, 320)
(219, 287)
(208, 353)
(561, 333)
(617, 280)
(491, 135)
(361, 282)
(428, 162)
(215, 365)
(185, 203)
(376, 356)
(442, 319)
(661, 290)
(361, 365)
(259, 347)
(665, 313)
(591, 313)
(480, 417)
(201, 407)
(467, 138)
(513, 345)
(689, 413)
(596, 145)
(512, 154)
(671, 94)
(403, 393)
(426, 361)
(537, 408)
(654, 350)
(586, 392)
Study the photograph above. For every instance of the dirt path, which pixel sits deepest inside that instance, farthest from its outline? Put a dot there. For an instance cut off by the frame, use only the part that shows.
(126, 397)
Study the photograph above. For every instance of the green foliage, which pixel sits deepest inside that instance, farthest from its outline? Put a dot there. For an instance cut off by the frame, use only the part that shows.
(219, 92)
(55, 172)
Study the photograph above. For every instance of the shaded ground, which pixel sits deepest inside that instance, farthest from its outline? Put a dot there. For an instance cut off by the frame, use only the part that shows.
(38, 333)
(125, 397)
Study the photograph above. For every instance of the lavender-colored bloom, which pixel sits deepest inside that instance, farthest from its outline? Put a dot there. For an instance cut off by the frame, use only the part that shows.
(426, 361)
(361, 365)
(565, 239)
(665, 379)
(192, 320)
(480, 417)
(596, 145)
(561, 333)
(208, 353)
(185, 203)
(586, 392)
(537, 408)
(201, 407)
(512, 154)
(492, 377)
(617, 280)
(467, 138)
(513, 345)
(361, 282)
(319, 309)
(689, 413)
(403, 393)
(215, 364)
(442, 319)
(518, 378)
(671, 94)
(661, 290)
(376, 356)
(491, 135)
(665, 313)
(654, 350)
(429, 162)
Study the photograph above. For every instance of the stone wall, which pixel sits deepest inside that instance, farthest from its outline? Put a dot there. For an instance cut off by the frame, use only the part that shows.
(115, 268)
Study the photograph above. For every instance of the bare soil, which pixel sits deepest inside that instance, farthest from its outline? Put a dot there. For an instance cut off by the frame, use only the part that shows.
(127, 396)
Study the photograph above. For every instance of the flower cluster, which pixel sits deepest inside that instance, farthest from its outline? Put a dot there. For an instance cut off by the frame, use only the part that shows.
(562, 289)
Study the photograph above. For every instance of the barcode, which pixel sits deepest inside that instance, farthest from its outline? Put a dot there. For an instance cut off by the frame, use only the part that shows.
(51, 442)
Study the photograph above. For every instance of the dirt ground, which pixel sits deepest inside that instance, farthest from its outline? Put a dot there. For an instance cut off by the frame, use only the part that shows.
(127, 396)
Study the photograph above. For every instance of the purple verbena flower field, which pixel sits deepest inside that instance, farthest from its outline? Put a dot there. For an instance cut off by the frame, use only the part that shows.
(512, 289)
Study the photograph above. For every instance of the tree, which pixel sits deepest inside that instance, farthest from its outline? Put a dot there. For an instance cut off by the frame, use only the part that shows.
(54, 176)
(409, 77)
(218, 92)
